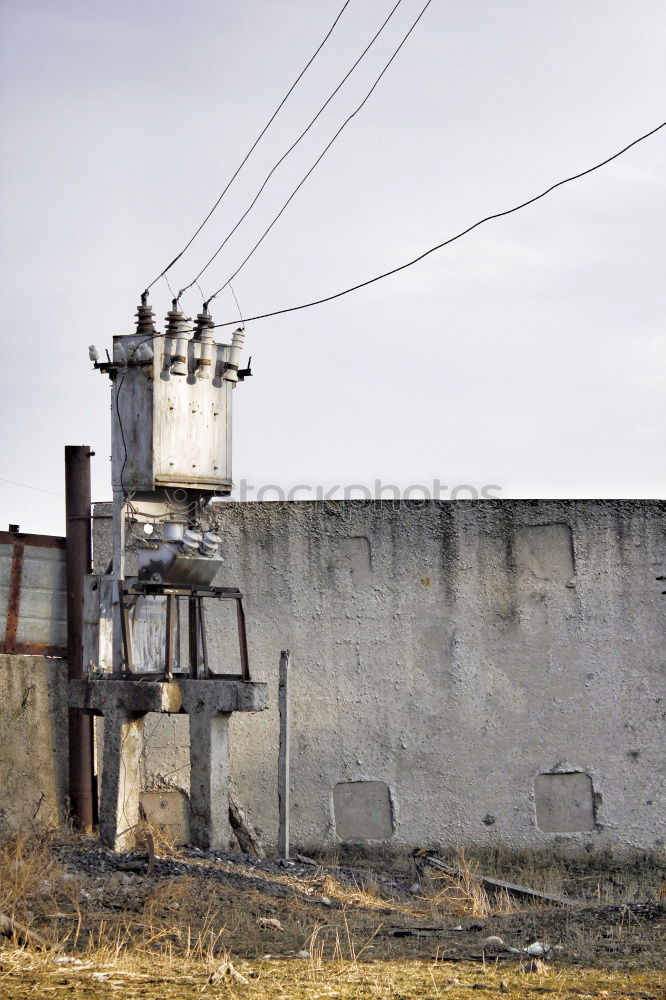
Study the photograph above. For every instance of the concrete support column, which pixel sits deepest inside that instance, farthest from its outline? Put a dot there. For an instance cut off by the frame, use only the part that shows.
(121, 779)
(209, 780)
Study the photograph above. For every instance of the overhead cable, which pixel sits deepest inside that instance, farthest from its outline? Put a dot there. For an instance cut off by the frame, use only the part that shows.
(452, 239)
(254, 145)
(291, 148)
(321, 155)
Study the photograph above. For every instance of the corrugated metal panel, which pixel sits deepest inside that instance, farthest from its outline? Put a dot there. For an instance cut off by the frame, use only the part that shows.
(33, 594)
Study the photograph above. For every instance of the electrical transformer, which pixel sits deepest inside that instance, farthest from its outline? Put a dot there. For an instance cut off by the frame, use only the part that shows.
(171, 403)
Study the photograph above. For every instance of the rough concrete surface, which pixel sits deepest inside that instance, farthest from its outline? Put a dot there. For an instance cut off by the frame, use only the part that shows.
(455, 651)
(33, 740)
(124, 704)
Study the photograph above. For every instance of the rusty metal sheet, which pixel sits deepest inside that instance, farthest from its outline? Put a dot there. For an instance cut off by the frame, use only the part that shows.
(33, 594)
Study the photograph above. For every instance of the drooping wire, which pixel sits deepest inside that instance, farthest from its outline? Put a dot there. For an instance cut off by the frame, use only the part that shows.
(321, 155)
(452, 239)
(240, 313)
(253, 146)
(291, 148)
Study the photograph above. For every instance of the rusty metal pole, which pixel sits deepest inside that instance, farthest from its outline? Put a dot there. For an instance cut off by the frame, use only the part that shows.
(79, 559)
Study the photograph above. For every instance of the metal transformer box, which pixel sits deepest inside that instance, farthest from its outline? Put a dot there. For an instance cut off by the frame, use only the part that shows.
(170, 430)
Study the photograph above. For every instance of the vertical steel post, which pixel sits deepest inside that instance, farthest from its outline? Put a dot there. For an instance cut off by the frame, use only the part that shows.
(283, 756)
(79, 558)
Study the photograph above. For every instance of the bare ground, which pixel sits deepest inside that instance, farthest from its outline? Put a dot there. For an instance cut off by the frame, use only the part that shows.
(345, 926)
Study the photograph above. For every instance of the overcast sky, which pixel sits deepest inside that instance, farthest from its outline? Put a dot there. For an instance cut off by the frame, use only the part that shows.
(529, 355)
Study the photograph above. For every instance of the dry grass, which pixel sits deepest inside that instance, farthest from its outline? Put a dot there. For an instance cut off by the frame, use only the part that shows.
(462, 895)
(147, 976)
(164, 936)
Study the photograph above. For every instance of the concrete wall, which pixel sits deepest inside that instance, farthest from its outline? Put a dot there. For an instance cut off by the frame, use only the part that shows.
(462, 672)
(33, 740)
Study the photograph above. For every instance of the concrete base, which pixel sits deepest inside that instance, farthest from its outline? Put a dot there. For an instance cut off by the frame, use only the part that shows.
(124, 704)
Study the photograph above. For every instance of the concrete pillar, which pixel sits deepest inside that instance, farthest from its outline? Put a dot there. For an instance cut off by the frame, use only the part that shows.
(121, 779)
(209, 780)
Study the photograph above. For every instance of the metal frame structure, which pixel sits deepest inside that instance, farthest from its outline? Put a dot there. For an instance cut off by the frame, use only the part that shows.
(199, 666)
(20, 541)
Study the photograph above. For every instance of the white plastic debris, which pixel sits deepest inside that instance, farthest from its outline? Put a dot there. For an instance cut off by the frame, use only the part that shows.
(537, 949)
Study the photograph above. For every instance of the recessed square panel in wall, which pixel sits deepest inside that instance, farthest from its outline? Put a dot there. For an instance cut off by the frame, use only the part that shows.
(564, 802)
(362, 810)
(545, 551)
(166, 809)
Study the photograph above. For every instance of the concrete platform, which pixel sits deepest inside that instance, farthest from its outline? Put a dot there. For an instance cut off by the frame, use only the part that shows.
(181, 695)
(208, 704)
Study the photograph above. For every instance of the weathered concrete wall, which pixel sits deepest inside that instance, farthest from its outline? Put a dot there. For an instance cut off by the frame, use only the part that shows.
(497, 665)
(33, 740)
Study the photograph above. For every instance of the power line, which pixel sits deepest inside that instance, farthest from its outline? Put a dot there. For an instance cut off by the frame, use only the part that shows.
(292, 147)
(254, 144)
(322, 155)
(38, 489)
(452, 239)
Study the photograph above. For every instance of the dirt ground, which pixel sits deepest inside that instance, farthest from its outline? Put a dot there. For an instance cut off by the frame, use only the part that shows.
(332, 926)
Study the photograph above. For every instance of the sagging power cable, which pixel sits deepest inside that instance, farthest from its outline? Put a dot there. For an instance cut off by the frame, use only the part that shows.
(291, 148)
(253, 146)
(321, 155)
(452, 239)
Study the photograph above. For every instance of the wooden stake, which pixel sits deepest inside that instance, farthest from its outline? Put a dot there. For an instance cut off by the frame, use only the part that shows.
(283, 756)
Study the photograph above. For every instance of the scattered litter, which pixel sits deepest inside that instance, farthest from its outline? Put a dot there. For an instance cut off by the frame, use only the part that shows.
(269, 923)
(458, 928)
(225, 973)
(303, 954)
(415, 888)
(325, 901)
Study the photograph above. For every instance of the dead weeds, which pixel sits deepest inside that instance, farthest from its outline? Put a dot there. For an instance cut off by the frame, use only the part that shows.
(300, 931)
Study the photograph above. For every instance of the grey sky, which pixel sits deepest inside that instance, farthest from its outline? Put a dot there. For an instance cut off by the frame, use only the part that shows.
(528, 355)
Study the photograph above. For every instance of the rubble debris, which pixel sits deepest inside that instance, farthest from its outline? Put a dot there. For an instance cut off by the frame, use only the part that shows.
(226, 973)
(245, 833)
(269, 923)
(493, 944)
